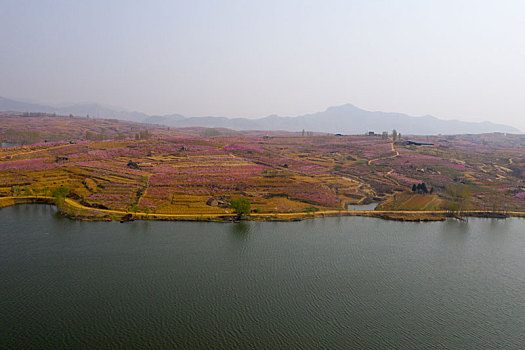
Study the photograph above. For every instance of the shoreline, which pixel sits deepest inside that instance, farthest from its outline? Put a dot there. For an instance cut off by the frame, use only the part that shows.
(77, 211)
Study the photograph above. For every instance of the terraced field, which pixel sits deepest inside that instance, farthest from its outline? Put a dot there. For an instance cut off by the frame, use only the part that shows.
(141, 168)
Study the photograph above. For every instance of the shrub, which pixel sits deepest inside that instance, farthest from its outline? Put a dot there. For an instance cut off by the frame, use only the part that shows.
(61, 192)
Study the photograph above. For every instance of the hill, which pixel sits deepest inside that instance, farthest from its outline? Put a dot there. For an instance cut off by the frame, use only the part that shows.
(345, 119)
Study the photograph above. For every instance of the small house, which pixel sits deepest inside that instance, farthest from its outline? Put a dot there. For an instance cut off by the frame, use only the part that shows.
(133, 165)
(418, 143)
(217, 202)
(139, 165)
(143, 165)
(212, 202)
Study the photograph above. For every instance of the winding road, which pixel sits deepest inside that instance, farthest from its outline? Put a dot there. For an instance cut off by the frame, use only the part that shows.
(389, 157)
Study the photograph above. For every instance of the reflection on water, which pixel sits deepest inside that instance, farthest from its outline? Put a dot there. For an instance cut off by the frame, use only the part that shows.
(455, 226)
(339, 283)
(240, 229)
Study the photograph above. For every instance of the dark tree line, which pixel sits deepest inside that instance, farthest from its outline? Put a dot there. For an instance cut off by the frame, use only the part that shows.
(421, 188)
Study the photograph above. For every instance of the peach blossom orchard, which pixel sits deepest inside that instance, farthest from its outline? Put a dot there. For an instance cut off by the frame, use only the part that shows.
(125, 166)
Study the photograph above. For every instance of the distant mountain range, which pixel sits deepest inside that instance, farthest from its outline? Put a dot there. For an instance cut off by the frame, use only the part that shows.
(345, 119)
(94, 110)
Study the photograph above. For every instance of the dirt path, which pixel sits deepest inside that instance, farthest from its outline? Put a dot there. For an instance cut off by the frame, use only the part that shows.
(144, 189)
(396, 154)
(77, 205)
(389, 157)
(40, 150)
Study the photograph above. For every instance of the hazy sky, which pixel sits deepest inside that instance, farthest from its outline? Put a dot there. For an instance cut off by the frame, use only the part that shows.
(452, 59)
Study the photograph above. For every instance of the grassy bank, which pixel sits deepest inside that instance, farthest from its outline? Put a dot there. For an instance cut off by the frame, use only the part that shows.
(77, 211)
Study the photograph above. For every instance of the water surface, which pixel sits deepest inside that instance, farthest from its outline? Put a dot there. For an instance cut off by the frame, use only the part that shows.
(354, 207)
(334, 283)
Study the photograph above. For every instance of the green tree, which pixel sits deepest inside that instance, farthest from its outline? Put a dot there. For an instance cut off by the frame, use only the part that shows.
(241, 206)
(394, 134)
(26, 191)
(461, 195)
(465, 196)
(143, 135)
(60, 194)
(16, 190)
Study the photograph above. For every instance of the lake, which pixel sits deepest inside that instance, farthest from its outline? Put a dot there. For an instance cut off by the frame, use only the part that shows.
(355, 207)
(338, 283)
